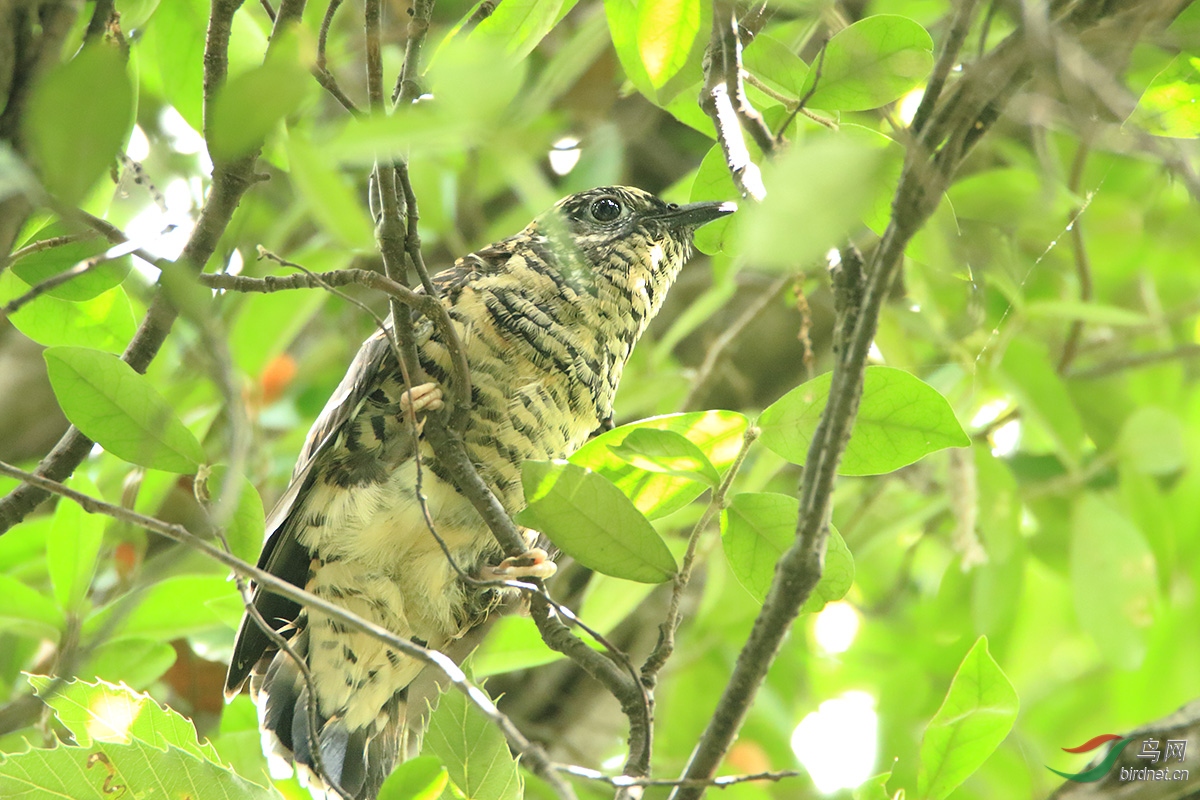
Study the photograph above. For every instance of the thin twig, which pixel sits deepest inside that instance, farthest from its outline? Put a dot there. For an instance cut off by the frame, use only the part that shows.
(45, 244)
(54, 281)
(266, 4)
(321, 72)
(423, 304)
(485, 10)
(323, 34)
(102, 14)
(534, 755)
(666, 631)
(229, 182)
(722, 342)
(283, 645)
(1083, 267)
(622, 781)
(791, 104)
(941, 70)
(408, 88)
(1135, 361)
(799, 108)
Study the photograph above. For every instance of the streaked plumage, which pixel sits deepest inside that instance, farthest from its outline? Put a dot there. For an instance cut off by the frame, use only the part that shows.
(548, 318)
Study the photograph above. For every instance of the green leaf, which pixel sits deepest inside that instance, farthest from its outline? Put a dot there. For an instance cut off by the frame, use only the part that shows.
(773, 63)
(137, 769)
(176, 606)
(250, 105)
(77, 120)
(1153, 441)
(666, 452)
(37, 267)
(588, 518)
(1113, 579)
(718, 434)
(874, 788)
(24, 545)
(246, 522)
(665, 32)
(134, 662)
(513, 643)
(331, 201)
(978, 712)
(900, 420)
(712, 182)
(267, 323)
(1170, 106)
(758, 527)
(473, 749)
(421, 778)
(128, 743)
(173, 45)
(518, 27)
(871, 63)
(119, 409)
(104, 712)
(72, 550)
(1044, 399)
(622, 18)
(26, 610)
(818, 192)
(1094, 313)
(105, 322)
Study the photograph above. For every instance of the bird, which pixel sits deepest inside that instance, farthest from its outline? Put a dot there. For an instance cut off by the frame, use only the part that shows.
(547, 319)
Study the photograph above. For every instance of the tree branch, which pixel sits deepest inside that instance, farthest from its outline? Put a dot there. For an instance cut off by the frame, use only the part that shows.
(230, 181)
(954, 127)
(716, 103)
(532, 753)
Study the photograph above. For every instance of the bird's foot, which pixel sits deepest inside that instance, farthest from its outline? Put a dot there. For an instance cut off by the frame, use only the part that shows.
(533, 563)
(419, 399)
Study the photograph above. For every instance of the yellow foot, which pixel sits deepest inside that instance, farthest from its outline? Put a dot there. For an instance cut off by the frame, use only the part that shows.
(426, 397)
(533, 563)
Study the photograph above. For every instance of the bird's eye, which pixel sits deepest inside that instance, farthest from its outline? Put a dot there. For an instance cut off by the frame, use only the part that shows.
(605, 209)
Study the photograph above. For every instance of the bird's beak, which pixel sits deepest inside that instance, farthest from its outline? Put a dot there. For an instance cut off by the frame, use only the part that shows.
(693, 215)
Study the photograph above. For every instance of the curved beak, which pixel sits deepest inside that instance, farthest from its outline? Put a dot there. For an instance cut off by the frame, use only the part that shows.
(693, 215)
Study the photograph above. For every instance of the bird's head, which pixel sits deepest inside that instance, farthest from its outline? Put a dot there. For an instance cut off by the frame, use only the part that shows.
(627, 235)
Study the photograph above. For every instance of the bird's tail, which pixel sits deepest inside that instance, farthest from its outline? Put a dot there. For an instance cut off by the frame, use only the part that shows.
(339, 761)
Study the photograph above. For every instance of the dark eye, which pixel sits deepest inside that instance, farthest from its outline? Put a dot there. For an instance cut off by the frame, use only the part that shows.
(605, 209)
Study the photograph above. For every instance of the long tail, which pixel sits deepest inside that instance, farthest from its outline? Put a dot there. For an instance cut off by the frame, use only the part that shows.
(339, 761)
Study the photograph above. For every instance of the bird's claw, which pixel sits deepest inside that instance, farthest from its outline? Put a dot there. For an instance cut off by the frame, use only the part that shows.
(533, 563)
(419, 399)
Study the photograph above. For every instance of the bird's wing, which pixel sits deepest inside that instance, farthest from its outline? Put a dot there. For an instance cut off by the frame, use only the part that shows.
(283, 555)
(491, 259)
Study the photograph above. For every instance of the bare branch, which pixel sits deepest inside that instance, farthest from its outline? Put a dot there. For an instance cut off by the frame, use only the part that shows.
(716, 103)
(45, 244)
(530, 752)
(941, 70)
(408, 88)
(731, 62)
(974, 106)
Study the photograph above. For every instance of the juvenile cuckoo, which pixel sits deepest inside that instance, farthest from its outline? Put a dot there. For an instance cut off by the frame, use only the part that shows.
(547, 318)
